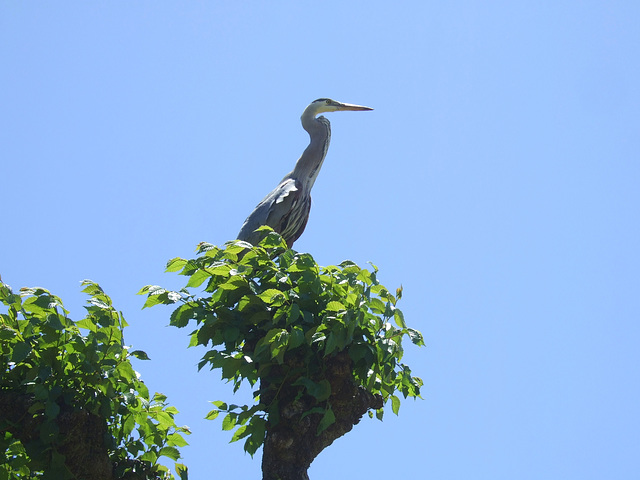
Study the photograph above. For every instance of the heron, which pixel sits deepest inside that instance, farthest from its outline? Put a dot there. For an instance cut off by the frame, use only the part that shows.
(286, 208)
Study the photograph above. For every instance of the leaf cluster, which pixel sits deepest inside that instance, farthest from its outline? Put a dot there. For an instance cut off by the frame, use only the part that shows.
(46, 359)
(269, 313)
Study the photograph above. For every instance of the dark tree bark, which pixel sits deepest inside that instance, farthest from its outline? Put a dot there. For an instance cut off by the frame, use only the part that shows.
(292, 443)
(81, 435)
(82, 439)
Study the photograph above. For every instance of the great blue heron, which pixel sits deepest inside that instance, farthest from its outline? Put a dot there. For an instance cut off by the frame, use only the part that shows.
(286, 208)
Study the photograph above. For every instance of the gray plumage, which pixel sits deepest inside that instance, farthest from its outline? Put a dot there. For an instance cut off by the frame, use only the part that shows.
(286, 207)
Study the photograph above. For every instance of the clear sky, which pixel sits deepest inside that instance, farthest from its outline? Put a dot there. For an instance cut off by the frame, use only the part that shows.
(497, 180)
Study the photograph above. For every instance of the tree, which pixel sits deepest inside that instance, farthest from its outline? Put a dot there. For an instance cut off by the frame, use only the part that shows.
(71, 404)
(317, 342)
(322, 346)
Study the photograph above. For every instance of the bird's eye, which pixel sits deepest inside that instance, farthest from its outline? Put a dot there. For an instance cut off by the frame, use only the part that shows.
(327, 101)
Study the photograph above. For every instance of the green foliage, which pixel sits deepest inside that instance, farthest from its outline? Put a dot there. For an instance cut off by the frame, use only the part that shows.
(274, 315)
(48, 362)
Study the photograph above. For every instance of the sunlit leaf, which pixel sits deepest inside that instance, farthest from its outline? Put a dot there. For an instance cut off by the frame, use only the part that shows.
(395, 404)
(171, 452)
(175, 264)
(197, 278)
(272, 296)
(212, 415)
(240, 433)
(229, 421)
(335, 306)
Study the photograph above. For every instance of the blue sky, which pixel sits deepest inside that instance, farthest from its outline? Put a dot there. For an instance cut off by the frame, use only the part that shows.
(496, 180)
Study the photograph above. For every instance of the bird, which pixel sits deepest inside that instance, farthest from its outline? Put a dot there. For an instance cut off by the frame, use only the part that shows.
(286, 208)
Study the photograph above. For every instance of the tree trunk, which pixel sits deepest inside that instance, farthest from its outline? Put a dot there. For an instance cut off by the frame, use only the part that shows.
(80, 439)
(292, 442)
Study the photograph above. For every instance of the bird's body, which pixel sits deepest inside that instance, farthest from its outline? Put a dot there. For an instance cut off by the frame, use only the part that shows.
(286, 207)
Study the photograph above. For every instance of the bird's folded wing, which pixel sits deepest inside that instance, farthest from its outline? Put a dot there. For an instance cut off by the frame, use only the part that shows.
(274, 210)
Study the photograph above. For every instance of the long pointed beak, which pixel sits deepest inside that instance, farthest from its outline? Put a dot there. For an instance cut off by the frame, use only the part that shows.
(352, 107)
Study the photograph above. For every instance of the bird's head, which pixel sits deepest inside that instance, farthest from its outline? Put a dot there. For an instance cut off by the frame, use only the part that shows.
(323, 105)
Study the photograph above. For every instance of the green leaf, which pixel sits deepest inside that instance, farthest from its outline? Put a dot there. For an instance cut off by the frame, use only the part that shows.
(399, 318)
(204, 247)
(320, 391)
(182, 471)
(348, 264)
(159, 397)
(212, 415)
(171, 452)
(139, 354)
(327, 419)
(219, 268)
(335, 306)
(416, 337)
(395, 404)
(240, 433)
(197, 278)
(272, 296)
(20, 352)
(231, 334)
(294, 314)
(272, 240)
(181, 315)
(175, 264)
(55, 322)
(253, 442)
(234, 282)
(364, 276)
(51, 409)
(147, 289)
(303, 262)
(229, 421)
(337, 339)
(312, 411)
(176, 440)
(88, 324)
(296, 338)
(153, 299)
(360, 351)
(317, 337)
(149, 456)
(161, 469)
(377, 306)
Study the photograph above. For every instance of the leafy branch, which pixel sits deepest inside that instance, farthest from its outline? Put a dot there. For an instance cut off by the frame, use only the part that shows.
(71, 404)
(304, 332)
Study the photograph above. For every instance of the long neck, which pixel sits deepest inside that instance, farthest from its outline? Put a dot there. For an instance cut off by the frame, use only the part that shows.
(308, 165)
